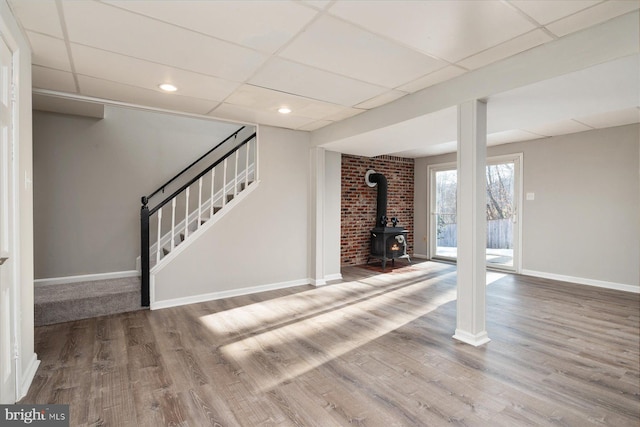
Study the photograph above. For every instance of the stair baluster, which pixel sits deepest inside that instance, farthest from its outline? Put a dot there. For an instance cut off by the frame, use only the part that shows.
(173, 223)
(213, 178)
(159, 235)
(246, 167)
(186, 214)
(224, 183)
(199, 203)
(235, 175)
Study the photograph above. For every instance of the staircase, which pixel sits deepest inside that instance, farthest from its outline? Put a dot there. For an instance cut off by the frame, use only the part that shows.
(171, 223)
(201, 197)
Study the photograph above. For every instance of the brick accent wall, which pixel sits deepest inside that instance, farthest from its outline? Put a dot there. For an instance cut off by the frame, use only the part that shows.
(358, 210)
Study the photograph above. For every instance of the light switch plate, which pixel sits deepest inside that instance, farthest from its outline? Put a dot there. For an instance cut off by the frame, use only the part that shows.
(531, 196)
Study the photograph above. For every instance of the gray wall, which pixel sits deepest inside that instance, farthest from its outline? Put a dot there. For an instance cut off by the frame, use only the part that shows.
(584, 221)
(263, 241)
(89, 176)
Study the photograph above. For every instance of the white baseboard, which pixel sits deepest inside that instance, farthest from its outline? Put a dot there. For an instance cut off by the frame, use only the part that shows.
(29, 375)
(583, 281)
(156, 305)
(330, 277)
(325, 280)
(475, 340)
(419, 256)
(86, 278)
(317, 282)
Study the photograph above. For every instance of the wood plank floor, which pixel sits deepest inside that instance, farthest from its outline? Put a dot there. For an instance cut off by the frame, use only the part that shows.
(374, 350)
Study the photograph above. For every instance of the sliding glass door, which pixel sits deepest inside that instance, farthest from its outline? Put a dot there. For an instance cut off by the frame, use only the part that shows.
(501, 210)
(503, 197)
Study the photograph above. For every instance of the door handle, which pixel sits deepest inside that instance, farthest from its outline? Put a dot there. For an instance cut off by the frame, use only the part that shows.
(3, 259)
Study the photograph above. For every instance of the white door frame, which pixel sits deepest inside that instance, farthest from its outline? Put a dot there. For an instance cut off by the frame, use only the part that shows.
(517, 159)
(9, 345)
(431, 170)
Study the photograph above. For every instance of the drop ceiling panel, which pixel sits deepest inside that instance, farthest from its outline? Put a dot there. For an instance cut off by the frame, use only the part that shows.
(548, 11)
(98, 88)
(506, 49)
(315, 110)
(514, 135)
(382, 99)
(40, 16)
(50, 79)
(259, 98)
(344, 114)
(246, 114)
(562, 127)
(290, 77)
(450, 30)
(315, 125)
(135, 72)
(49, 51)
(345, 49)
(110, 28)
(623, 117)
(434, 78)
(317, 4)
(592, 16)
(261, 25)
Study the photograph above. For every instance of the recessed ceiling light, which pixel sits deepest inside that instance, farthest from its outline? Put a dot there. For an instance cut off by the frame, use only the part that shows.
(284, 110)
(168, 87)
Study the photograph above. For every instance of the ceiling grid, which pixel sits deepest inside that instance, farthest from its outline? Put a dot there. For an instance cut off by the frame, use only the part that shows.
(328, 61)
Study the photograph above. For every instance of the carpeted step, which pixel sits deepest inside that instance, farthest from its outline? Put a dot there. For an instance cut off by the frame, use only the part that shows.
(83, 300)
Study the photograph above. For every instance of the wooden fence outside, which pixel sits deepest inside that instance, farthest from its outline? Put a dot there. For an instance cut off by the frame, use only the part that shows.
(499, 234)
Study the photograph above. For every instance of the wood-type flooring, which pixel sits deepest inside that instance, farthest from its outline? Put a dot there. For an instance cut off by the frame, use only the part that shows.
(373, 350)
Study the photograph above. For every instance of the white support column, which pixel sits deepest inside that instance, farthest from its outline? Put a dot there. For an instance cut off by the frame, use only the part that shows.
(472, 223)
(316, 213)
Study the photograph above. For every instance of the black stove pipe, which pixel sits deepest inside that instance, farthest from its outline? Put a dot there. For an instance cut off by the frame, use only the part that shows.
(381, 201)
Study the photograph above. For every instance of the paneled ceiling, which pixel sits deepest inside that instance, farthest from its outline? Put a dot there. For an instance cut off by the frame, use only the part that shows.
(325, 60)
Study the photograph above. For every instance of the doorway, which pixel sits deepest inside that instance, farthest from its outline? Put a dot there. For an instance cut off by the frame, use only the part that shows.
(504, 180)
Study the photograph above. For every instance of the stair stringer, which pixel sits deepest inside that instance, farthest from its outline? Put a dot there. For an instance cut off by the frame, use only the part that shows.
(196, 234)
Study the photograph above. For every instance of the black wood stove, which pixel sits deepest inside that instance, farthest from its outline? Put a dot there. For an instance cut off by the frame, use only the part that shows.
(387, 243)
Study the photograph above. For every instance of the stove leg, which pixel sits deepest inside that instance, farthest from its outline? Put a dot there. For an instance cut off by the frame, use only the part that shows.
(384, 263)
(393, 262)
